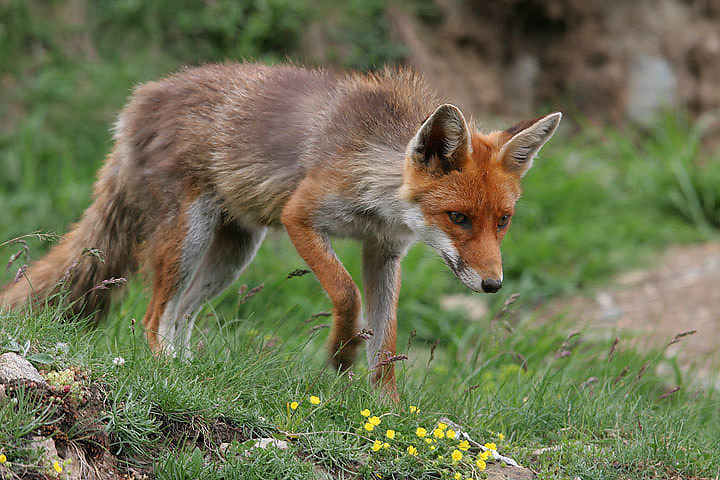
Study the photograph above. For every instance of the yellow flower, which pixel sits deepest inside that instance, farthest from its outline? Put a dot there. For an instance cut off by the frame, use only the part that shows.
(456, 455)
(490, 446)
(450, 434)
(438, 433)
(57, 467)
(314, 400)
(457, 476)
(293, 405)
(441, 426)
(374, 420)
(481, 465)
(464, 445)
(485, 455)
(377, 445)
(412, 451)
(428, 440)
(501, 436)
(420, 432)
(365, 413)
(369, 426)
(432, 447)
(390, 434)
(386, 445)
(414, 409)
(3, 458)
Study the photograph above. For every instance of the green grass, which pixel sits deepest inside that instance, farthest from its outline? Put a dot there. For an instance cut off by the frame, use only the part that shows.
(170, 416)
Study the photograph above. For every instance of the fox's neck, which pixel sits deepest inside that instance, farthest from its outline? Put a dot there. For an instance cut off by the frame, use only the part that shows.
(378, 188)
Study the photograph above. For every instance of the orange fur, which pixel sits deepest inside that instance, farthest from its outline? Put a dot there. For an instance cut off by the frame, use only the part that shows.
(165, 260)
(336, 281)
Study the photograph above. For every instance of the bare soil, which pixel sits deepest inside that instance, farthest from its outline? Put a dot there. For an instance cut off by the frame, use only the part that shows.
(681, 293)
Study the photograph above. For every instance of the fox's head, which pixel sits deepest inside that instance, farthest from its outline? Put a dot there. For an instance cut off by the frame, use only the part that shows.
(465, 185)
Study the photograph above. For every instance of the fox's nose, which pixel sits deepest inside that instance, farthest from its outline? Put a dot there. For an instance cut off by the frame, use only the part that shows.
(491, 285)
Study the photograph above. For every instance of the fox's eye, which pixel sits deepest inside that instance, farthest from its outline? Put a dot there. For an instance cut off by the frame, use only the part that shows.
(504, 220)
(459, 219)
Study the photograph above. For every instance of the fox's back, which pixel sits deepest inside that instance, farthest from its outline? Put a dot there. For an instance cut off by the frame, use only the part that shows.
(252, 132)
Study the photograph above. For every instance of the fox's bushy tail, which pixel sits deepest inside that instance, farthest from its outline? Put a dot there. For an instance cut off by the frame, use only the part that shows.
(97, 253)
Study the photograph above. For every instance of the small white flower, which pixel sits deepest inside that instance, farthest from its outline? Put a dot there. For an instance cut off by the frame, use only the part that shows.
(118, 361)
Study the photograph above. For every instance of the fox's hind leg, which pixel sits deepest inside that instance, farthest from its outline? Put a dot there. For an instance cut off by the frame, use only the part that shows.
(175, 254)
(193, 260)
(233, 247)
(170, 317)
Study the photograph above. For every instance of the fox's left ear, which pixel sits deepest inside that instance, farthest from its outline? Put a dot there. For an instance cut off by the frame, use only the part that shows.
(442, 143)
(525, 141)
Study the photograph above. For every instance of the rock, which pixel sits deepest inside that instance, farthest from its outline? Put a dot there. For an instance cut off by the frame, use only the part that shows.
(71, 465)
(270, 442)
(45, 447)
(222, 449)
(72, 470)
(498, 471)
(520, 83)
(651, 88)
(48, 454)
(15, 367)
(608, 309)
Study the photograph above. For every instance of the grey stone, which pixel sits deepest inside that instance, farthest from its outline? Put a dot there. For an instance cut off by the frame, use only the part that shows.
(520, 83)
(15, 367)
(651, 87)
(49, 455)
(271, 442)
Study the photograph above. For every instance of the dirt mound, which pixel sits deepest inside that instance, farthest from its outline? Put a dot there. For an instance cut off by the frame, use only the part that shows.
(72, 436)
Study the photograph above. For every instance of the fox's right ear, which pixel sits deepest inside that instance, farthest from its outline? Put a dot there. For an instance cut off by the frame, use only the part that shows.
(525, 141)
(442, 143)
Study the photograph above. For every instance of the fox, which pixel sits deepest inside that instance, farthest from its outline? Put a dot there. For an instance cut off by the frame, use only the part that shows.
(207, 160)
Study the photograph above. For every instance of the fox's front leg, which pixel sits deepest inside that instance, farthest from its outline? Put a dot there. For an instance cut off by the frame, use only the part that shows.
(317, 252)
(381, 274)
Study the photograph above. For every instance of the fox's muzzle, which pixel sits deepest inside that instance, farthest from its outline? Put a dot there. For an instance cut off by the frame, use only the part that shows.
(471, 278)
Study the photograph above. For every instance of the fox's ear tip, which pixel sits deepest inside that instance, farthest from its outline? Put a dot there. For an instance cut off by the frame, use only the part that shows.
(448, 108)
(551, 120)
(449, 105)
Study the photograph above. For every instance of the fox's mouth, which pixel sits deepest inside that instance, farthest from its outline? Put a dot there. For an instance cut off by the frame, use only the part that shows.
(469, 277)
(464, 273)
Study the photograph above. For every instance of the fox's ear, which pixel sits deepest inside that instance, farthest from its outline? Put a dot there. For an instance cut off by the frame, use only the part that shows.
(525, 141)
(442, 143)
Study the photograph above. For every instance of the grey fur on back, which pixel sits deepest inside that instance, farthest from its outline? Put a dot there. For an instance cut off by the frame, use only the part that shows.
(252, 132)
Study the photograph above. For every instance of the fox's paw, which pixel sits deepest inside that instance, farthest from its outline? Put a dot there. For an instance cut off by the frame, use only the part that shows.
(342, 356)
